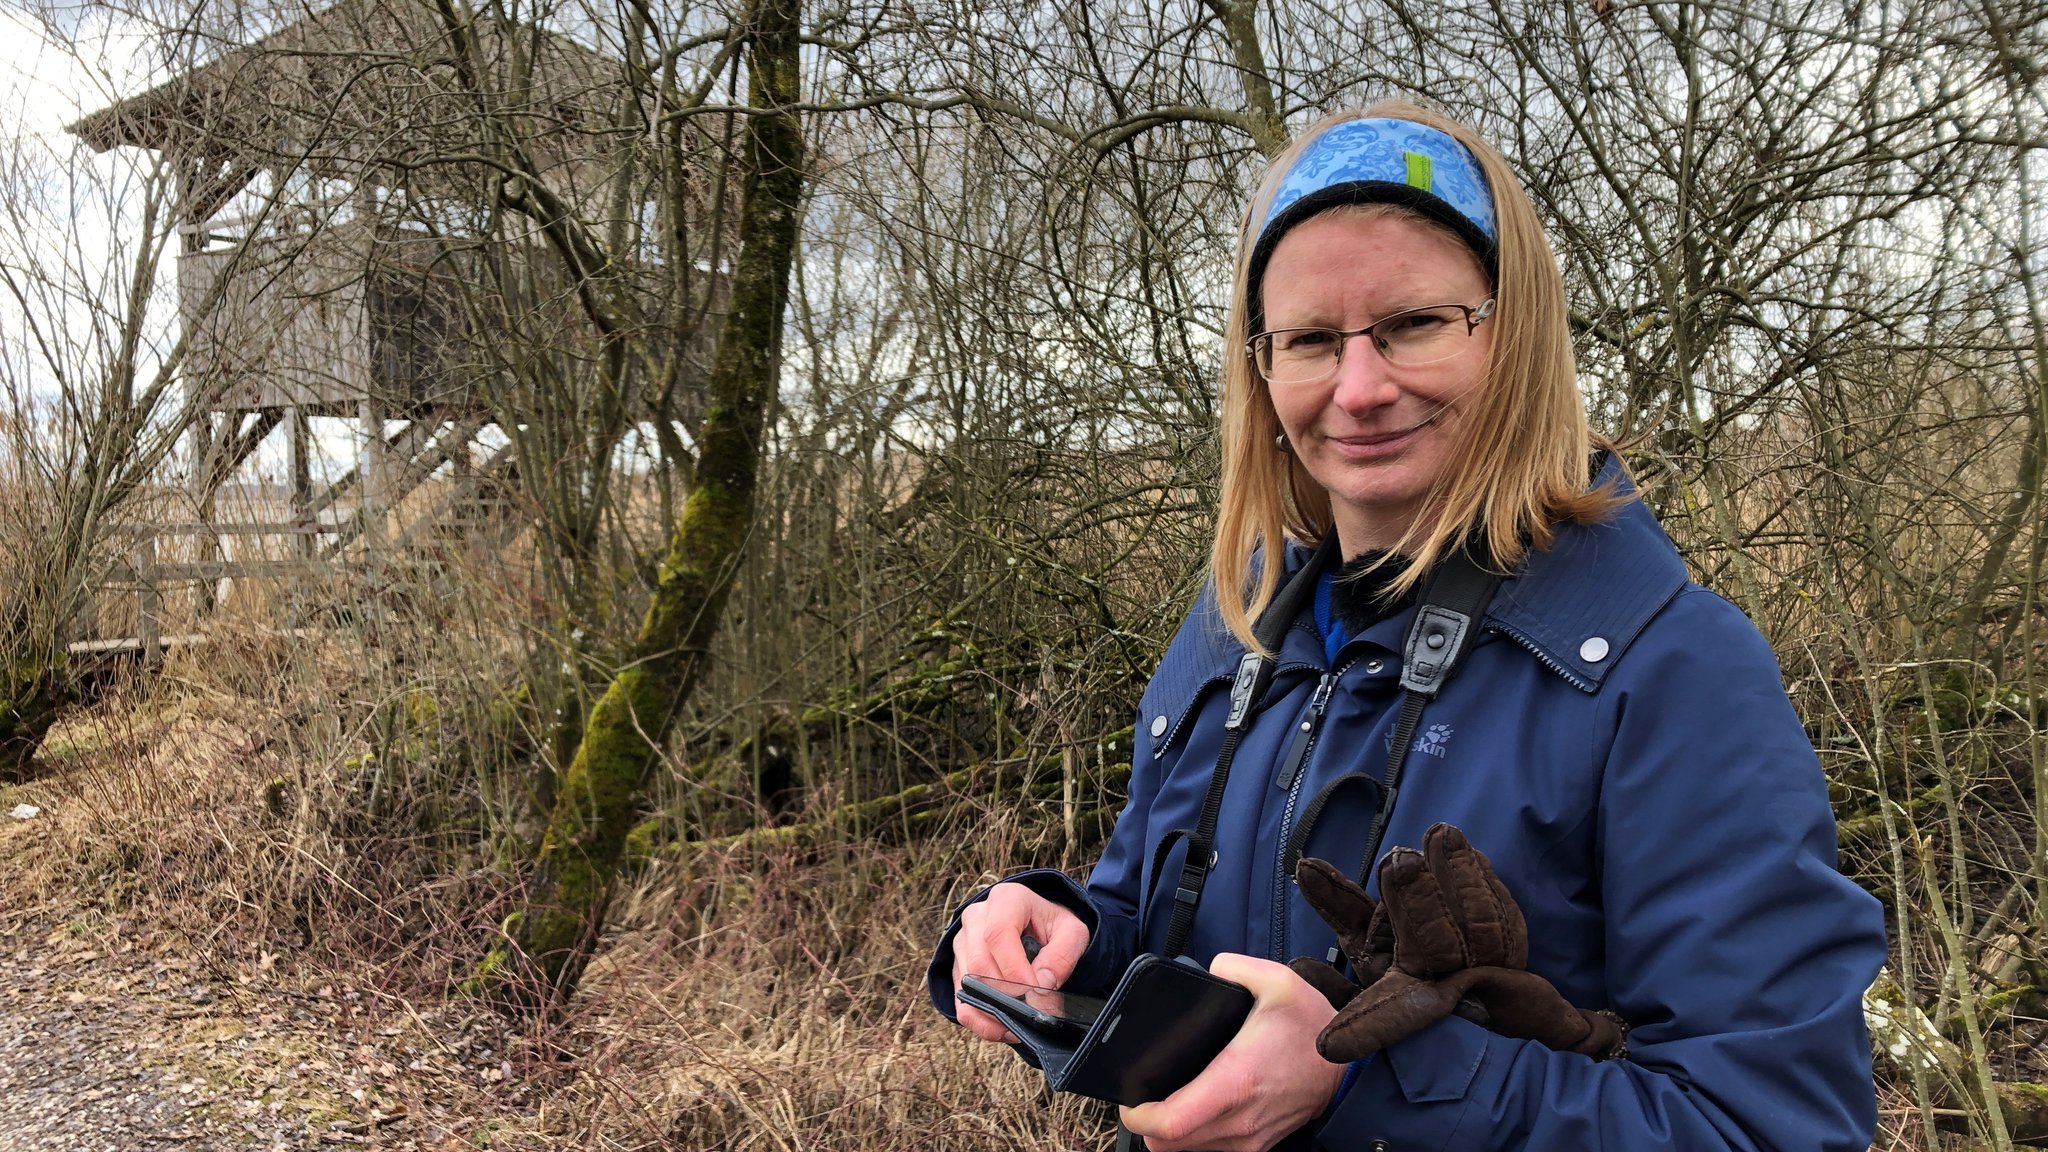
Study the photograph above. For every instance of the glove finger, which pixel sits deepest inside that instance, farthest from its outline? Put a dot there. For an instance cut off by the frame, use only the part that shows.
(1606, 1037)
(1379, 949)
(1341, 903)
(1525, 1006)
(1427, 939)
(1324, 979)
(1490, 921)
(1379, 937)
(1390, 1011)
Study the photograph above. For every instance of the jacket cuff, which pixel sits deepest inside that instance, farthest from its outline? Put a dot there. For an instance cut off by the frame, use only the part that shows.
(1049, 883)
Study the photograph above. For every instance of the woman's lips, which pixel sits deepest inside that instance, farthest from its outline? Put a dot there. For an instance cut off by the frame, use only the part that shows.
(1375, 445)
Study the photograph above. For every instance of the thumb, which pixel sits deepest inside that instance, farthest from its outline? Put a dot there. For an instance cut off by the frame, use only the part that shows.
(1263, 978)
(1063, 938)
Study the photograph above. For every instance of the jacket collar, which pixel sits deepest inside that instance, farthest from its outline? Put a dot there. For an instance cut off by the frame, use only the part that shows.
(1596, 582)
(1579, 604)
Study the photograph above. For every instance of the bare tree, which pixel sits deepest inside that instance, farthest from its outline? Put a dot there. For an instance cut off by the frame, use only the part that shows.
(97, 377)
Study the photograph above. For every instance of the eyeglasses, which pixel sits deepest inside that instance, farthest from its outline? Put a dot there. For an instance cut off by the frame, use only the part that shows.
(1406, 339)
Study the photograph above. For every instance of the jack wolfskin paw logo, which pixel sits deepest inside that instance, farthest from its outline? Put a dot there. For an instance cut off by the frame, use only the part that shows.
(1434, 741)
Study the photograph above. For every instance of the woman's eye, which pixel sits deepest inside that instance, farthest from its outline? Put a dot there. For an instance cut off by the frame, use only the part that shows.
(1305, 340)
(1415, 322)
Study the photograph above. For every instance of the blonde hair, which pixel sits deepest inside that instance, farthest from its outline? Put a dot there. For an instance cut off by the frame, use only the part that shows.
(1517, 465)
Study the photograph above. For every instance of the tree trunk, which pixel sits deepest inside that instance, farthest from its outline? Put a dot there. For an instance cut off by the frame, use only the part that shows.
(30, 698)
(551, 938)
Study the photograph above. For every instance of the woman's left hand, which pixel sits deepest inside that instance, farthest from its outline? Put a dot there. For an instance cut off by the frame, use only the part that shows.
(1265, 1084)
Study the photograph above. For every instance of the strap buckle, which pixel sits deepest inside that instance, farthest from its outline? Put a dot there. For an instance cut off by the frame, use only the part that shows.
(1435, 641)
(1253, 673)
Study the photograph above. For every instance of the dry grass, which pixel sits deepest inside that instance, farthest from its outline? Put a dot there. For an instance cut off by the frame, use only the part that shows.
(792, 1017)
(751, 1001)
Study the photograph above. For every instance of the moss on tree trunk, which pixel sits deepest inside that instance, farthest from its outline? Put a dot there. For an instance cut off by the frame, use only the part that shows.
(584, 845)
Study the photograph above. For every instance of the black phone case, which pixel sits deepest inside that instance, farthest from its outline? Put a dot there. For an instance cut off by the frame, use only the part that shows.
(1161, 1026)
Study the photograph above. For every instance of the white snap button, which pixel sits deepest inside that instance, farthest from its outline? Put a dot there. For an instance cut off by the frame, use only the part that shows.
(1373, 666)
(1158, 727)
(1594, 650)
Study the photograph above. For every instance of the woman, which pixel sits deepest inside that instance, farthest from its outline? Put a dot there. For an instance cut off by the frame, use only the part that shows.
(1616, 741)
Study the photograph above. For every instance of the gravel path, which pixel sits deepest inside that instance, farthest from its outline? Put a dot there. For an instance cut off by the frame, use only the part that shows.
(125, 1050)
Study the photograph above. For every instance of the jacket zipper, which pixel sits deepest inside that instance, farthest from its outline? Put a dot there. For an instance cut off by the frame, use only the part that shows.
(1570, 677)
(1292, 775)
(1188, 710)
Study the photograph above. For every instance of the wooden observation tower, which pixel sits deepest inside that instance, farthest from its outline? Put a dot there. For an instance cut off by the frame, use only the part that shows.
(346, 256)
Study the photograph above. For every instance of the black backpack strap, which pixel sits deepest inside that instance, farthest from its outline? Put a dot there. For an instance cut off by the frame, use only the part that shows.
(1254, 676)
(1445, 626)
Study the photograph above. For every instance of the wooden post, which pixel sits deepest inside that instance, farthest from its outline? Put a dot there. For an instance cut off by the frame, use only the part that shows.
(147, 631)
(370, 505)
(302, 483)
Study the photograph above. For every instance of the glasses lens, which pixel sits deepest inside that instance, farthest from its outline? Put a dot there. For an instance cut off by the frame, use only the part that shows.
(1297, 355)
(1423, 335)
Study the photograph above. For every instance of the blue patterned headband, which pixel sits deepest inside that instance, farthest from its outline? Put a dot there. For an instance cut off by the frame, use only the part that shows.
(1381, 160)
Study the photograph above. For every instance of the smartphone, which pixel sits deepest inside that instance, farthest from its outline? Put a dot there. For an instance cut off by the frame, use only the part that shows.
(1164, 1023)
(1049, 1008)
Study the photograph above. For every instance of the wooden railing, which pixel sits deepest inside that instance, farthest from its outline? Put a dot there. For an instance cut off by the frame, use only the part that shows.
(149, 574)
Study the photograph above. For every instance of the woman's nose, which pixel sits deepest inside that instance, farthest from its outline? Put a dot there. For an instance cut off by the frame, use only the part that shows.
(1364, 378)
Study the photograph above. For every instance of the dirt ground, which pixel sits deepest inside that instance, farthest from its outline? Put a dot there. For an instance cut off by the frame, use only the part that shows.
(112, 1044)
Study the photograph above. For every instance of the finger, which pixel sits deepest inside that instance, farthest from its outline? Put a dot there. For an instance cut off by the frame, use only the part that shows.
(982, 1024)
(1491, 923)
(1064, 938)
(1524, 1005)
(1341, 903)
(996, 941)
(1263, 1085)
(1427, 940)
(1324, 979)
(1186, 1120)
(1390, 1011)
(1265, 979)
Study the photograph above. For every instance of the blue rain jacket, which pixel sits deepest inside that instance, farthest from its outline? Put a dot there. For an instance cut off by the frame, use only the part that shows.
(1619, 743)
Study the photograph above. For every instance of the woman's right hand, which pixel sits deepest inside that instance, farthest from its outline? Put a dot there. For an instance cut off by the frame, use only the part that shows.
(991, 943)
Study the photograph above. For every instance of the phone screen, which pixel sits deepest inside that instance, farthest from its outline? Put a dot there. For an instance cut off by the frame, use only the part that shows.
(1047, 1004)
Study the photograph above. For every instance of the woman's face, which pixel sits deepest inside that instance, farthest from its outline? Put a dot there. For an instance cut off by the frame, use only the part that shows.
(1374, 435)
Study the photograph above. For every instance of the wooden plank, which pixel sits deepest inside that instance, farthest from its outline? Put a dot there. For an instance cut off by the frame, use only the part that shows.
(277, 528)
(132, 644)
(125, 576)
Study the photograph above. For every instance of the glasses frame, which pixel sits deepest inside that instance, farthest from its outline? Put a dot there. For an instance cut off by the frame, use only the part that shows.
(1475, 315)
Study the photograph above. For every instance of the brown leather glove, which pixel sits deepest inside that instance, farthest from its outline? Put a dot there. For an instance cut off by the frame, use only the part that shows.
(1364, 934)
(1457, 936)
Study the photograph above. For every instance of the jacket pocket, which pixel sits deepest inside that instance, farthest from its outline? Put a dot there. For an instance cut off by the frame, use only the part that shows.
(1440, 1062)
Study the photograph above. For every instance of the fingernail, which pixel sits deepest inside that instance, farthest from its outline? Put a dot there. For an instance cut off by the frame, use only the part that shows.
(1046, 979)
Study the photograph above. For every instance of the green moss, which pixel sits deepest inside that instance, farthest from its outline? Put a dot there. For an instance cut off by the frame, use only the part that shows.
(277, 796)
(2025, 1106)
(644, 841)
(492, 977)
